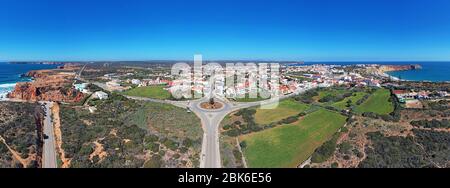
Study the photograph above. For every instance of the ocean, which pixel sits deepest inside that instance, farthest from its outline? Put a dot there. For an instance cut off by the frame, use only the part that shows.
(435, 71)
(10, 75)
(431, 71)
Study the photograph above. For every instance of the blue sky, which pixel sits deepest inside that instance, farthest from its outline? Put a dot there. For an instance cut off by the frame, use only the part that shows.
(319, 30)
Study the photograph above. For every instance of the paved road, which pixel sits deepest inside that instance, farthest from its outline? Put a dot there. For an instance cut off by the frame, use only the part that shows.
(49, 151)
(78, 76)
(210, 155)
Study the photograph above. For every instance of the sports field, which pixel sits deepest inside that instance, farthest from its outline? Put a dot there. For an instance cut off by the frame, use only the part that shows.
(378, 103)
(154, 92)
(285, 109)
(290, 145)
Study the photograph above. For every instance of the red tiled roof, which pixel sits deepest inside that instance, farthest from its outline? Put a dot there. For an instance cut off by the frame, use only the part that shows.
(397, 92)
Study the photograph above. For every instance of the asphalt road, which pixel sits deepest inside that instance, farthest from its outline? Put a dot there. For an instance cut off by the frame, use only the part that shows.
(210, 156)
(49, 151)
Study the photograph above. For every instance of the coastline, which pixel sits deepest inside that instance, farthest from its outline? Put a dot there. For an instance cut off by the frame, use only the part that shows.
(16, 73)
(387, 75)
(394, 76)
(7, 88)
(413, 71)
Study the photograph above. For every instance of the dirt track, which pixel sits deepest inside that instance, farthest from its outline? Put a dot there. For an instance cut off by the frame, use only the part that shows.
(58, 136)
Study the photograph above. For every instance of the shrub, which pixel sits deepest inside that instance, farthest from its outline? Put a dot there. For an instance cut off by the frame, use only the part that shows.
(289, 120)
(232, 133)
(334, 165)
(345, 148)
(325, 151)
(243, 144)
(154, 162)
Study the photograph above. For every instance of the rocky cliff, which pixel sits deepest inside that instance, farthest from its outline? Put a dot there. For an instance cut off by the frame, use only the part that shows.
(48, 85)
(388, 68)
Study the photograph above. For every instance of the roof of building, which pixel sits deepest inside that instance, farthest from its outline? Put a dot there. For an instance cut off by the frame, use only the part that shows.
(398, 92)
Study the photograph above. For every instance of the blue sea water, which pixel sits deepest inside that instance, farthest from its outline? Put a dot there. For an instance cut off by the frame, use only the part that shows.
(431, 71)
(435, 71)
(10, 74)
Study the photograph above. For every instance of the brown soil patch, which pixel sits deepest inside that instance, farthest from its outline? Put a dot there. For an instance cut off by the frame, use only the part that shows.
(98, 151)
(88, 122)
(113, 132)
(414, 104)
(58, 136)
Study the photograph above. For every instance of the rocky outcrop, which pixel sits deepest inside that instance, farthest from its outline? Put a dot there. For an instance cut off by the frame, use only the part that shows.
(388, 68)
(35, 74)
(31, 92)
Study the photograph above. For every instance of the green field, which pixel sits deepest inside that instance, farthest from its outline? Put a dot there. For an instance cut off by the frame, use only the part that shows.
(248, 99)
(378, 103)
(342, 104)
(332, 92)
(285, 109)
(289, 145)
(154, 92)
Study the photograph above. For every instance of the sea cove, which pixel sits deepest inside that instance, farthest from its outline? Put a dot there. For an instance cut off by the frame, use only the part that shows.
(431, 71)
(11, 73)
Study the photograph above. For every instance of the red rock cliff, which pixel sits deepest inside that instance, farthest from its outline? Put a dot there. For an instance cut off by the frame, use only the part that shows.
(48, 86)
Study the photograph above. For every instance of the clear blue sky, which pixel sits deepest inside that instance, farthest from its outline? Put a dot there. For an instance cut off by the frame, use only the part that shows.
(311, 30)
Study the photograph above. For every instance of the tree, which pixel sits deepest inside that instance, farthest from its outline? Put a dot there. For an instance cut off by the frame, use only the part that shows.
(349, 103)
(325, 151)
(243, 144)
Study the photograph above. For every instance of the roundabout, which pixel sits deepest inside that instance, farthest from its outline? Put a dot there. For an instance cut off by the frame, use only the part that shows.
(211, 105)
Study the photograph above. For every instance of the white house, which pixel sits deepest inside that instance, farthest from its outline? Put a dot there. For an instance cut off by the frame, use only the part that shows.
(135, 81)
(80, 87)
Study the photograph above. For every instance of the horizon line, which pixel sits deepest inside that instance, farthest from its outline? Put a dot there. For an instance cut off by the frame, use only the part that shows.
(209, 60)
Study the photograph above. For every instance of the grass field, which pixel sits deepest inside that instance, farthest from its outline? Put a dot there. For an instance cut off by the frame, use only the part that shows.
(342, 104)
(289, 145)
(154, 92)
(285, 109)
(248, 99)
(378, 103)
(333, 92)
